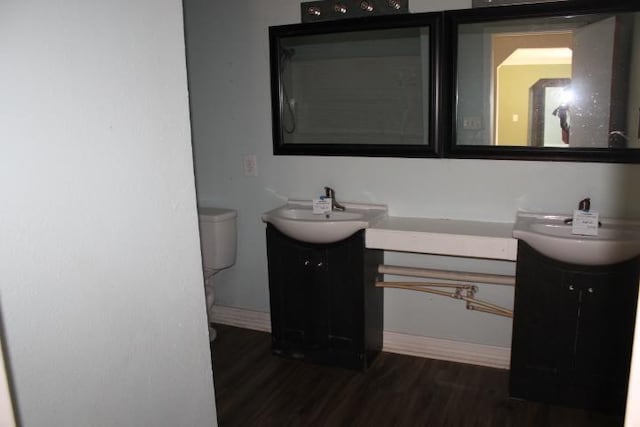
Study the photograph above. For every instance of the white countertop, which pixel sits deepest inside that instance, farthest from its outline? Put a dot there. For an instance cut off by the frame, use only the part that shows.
(471, 239)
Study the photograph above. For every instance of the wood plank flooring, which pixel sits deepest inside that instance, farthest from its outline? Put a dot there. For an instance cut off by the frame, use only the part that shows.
(255, 388)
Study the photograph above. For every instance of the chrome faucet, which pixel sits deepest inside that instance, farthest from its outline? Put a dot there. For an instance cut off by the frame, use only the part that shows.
(335, 206)
(585, 204)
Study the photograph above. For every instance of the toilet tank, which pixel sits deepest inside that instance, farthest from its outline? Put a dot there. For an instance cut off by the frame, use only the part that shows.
(217, 237)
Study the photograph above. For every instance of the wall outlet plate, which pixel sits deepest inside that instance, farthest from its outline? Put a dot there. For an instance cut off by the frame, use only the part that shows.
(250, 165)
(472, 123)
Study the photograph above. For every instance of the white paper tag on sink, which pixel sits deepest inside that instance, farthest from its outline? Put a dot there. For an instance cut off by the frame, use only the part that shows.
(585, 223)
(321, 206)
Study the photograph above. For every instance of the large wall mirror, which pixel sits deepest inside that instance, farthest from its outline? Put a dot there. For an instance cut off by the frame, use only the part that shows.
(548, 81)
(356, 87)
(541, 81)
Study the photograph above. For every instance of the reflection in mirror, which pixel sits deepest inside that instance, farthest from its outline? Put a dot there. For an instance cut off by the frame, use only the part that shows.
(364, 87)
(549, 99)
(550, 82)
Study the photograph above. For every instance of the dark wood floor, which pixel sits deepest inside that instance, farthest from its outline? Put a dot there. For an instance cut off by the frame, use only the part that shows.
(255, 388)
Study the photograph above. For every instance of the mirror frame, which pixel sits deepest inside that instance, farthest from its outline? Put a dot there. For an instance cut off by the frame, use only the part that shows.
(431, 20)
(453, 19)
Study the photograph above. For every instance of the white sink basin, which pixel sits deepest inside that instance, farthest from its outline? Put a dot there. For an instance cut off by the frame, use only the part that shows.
(297, 220)
(617, 240)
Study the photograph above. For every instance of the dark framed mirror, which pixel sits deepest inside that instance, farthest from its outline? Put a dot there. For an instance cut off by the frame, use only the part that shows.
(548, 81)
(357, 87)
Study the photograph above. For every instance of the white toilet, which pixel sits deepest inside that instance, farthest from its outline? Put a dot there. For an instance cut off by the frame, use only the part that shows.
(218, 245)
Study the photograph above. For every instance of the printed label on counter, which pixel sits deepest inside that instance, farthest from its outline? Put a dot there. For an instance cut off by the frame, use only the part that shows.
(585, 223)
(322, 206)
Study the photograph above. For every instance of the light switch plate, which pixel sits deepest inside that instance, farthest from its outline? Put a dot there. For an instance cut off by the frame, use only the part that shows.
(250, 164)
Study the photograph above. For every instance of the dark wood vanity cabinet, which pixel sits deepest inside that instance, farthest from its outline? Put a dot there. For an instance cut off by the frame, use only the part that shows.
(325, 307)
(572, 331)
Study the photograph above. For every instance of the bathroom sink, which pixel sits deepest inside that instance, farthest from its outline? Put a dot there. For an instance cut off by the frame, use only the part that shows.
(297, 220)
(617, 240)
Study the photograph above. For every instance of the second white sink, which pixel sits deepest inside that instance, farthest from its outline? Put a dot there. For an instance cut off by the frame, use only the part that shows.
(297, 220)
(617, 240)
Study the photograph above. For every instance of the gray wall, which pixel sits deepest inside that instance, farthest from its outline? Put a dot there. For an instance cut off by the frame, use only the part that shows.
(101, 281)
(230, 99)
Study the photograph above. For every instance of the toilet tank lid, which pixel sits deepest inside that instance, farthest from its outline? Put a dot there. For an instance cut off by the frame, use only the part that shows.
(216, 214)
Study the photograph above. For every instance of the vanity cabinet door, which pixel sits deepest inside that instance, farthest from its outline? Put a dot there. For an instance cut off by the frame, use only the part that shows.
(291, 293)
(572, 331)
(604, 335)
(324, 306)
(544, 325)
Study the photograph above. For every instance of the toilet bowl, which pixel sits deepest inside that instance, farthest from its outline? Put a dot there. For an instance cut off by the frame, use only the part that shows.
(218, 247)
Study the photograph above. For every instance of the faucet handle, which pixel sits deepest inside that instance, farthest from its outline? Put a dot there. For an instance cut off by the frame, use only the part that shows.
(329, 192)
(585, 204)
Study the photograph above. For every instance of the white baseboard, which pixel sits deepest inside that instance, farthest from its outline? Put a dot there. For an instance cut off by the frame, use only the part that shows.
(248, 319)
(392, 342)
(441, 349)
